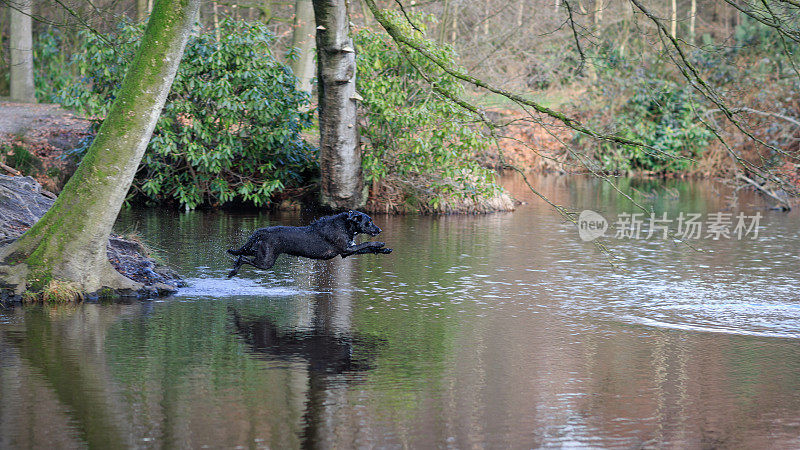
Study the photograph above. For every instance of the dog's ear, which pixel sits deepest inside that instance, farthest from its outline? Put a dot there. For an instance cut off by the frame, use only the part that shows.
(351, 215)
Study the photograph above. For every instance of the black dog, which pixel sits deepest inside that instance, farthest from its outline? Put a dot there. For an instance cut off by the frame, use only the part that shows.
(322, 239)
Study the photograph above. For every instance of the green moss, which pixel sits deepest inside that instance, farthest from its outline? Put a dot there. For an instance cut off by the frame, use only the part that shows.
(39, 279)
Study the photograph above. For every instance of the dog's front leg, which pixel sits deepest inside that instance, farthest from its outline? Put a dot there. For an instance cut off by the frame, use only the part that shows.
(365, 247)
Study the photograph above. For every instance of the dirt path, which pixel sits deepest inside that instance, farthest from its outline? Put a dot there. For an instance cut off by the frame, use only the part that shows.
(19, 118)
(44, 131)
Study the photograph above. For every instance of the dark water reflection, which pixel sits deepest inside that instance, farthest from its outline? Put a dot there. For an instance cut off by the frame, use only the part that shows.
(495, 331)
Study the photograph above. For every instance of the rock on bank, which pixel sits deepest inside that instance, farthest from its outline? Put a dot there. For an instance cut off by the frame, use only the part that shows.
(23, 202)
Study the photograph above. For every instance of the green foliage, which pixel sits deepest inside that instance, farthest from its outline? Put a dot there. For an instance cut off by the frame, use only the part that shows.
(755, 38)
(638, 100)
(661, 114)
(230, 129)
(52, 69)
(414, 134)
(757, 53)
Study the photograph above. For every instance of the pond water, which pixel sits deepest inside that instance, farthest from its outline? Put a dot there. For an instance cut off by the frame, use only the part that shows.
(504, 330)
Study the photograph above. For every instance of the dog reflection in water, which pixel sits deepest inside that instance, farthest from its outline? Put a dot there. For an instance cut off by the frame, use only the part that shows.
(325, 352)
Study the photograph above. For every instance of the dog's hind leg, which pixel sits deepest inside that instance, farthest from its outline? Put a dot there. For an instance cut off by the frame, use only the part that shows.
(265, 257)
(247, 248)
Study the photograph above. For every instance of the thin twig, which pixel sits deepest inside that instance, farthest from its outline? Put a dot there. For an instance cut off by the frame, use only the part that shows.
(575, 35)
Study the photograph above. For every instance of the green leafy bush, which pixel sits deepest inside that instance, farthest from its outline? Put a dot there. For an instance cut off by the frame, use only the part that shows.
(646, 106)
(415, 137)
(230, 129)
(52, 69)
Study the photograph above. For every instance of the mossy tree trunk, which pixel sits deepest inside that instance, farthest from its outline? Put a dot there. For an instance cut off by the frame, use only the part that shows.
(342, 183)
(69, 242)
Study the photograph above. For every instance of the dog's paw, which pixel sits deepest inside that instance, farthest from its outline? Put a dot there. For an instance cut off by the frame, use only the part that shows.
(385, 250)
(377, 244)
(232, 273)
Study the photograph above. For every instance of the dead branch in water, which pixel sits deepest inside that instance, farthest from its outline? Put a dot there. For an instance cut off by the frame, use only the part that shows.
(784, 205)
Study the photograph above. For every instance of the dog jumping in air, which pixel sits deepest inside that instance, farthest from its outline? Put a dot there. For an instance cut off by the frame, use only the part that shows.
(324, 238)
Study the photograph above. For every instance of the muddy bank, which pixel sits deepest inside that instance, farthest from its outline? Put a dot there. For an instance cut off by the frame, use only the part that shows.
(23, 201)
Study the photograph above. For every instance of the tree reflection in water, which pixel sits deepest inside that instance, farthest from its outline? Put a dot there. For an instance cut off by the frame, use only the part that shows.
(327, 346)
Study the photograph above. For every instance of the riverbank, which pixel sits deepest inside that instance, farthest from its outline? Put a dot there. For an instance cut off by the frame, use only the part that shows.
(36, 140)
(23, 202)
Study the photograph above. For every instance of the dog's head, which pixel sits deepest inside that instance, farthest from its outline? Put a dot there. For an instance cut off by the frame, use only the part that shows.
(362, 223)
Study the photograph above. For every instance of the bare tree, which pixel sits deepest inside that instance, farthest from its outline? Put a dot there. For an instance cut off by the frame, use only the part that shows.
(142, 10)
(342, 183)
(673, 18)
(21, 43)
(303, 36)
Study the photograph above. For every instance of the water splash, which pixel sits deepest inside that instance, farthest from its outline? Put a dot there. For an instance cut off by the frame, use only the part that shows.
(235, 287)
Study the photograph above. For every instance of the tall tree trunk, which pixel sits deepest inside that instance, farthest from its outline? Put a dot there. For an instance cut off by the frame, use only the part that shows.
(141, 10)
(366, 13)
(216, 20)
(303, 41)
(445, 21)
(342, 184)
(627, 9)
(598, 15)
(454, 24)
(673, 19)
(21, 43)
(69, 242)
(692, 18)
(726, 19)
(486, 13)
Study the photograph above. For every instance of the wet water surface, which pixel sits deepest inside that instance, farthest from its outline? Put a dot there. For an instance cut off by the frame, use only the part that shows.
(504, 330)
